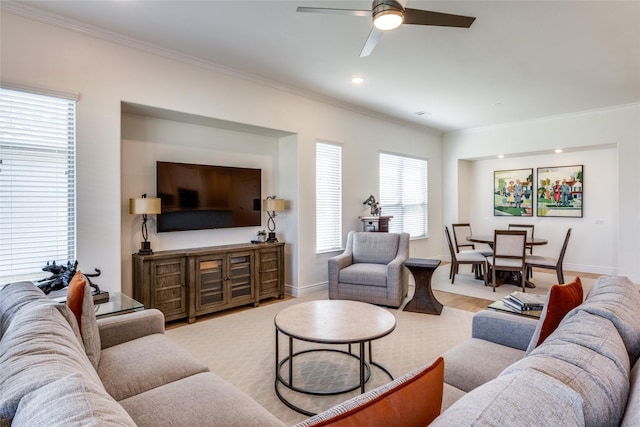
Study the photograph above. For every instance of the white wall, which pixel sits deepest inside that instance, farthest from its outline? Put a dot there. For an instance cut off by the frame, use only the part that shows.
(612, 181)
(105, 75)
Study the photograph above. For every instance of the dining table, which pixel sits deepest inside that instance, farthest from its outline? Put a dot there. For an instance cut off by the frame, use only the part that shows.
(488, 239)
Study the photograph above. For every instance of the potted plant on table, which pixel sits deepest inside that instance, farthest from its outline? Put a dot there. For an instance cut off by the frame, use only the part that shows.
(262, 236)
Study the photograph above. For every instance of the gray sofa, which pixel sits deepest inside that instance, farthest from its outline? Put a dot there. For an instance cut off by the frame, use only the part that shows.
(137, 376)
(585, 373)
(371, 269)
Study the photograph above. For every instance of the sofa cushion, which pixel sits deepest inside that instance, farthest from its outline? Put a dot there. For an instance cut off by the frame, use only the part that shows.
(586, 354)
(364, 274)
(561, 299)
(71, 400)
(136, 366)
(632, 413)
(80, 301)
(617, 299)
(14, 296)
(375, 248)
(414, 399)
(511, 400)
(39, 347)
(476, 361)
(196, 400)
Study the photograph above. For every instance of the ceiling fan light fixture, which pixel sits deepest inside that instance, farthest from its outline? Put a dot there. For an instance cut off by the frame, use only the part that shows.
(388, 19)
(387, 14)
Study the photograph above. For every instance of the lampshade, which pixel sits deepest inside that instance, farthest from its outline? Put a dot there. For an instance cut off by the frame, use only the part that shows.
(388, 19)
(275, 205)
(144, 206)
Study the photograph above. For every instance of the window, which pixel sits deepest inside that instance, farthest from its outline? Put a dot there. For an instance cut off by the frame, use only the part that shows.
(37, 183)
(328, 197)
(403, 193)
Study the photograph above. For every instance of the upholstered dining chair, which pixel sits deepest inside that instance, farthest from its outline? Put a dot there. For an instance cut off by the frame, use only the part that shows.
(371, 269)
(509, 254)
(467, 256)
(550, 263)
(529, 228)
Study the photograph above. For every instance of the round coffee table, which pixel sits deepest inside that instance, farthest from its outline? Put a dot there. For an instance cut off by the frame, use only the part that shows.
(330, 322)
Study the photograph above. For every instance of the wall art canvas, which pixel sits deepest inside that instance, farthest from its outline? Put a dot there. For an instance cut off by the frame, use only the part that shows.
(559, 191)
(513, 192)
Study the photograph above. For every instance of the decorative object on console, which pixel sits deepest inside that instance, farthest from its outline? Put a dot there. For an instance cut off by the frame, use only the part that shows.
(271, 205)
(375, 206)
(144, 206)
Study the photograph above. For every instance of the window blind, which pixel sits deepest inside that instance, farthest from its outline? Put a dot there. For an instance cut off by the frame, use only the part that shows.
(328, 197)
(403, 193)
(37, 183)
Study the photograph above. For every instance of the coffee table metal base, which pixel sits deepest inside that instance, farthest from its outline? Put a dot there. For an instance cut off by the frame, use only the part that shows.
(364, 366)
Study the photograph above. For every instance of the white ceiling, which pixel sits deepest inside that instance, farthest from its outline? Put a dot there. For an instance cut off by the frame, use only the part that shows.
(519, 60)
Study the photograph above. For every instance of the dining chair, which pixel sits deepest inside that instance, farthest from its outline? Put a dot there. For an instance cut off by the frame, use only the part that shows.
(509, 254)
(460, 234)
(466, 256)
(529, 228)
(549, 263)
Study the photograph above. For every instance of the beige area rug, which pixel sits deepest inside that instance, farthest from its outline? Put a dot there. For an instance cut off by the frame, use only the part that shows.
(466, 284)
(240, 348)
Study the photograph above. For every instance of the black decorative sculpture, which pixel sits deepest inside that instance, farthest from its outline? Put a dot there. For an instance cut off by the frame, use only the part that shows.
(375, 206)
(61, 277)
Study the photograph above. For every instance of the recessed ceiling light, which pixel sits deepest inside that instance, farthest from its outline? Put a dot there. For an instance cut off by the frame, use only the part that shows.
(501, 156)
(357, 80)
(558, 150)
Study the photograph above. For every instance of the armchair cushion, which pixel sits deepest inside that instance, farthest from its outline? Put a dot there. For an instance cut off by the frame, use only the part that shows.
(375, 248)
(364, 274)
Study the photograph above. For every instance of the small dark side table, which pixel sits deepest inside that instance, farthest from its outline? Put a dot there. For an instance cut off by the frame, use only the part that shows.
(423, 300)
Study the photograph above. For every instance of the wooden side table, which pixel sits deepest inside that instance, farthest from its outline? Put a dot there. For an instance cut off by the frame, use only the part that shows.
(423, 300)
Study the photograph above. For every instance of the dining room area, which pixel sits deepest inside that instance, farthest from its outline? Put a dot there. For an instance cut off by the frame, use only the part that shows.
(504, 257)
(598, 239)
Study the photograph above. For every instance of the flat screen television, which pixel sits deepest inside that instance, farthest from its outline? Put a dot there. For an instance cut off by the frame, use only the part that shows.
(197, 197)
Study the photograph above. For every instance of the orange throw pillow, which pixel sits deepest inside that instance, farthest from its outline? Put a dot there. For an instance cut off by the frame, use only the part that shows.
(415, 402)
(75, 296)
(561, 299)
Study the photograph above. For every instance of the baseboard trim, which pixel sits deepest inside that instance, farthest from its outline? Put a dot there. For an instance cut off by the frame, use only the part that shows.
(306, 290)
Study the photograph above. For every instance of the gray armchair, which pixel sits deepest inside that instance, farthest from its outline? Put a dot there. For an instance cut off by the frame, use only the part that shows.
(371, 269)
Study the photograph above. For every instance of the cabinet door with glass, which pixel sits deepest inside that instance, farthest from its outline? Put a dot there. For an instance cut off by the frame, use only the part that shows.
(210, 282)
(223, 280)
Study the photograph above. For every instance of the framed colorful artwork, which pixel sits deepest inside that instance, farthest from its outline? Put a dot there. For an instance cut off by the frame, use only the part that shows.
(559, 191)
(513, 192)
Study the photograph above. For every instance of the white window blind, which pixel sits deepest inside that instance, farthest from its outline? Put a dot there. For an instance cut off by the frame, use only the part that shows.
(328, 197)
(37, 183)
(403, 193)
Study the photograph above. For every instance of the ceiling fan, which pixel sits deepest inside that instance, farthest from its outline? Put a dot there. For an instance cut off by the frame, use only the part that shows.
(390, 14)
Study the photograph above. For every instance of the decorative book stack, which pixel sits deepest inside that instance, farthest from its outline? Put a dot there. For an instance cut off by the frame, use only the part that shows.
(519, 301)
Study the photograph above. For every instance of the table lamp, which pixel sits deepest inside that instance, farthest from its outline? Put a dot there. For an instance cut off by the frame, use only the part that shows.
(144, 206)
(271, 205)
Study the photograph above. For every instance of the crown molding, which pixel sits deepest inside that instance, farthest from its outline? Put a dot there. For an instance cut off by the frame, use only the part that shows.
(35, 14)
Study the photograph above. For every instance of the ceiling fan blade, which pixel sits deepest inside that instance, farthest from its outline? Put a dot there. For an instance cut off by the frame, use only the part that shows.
(352, 12)
(372, 41)
(427, 17)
